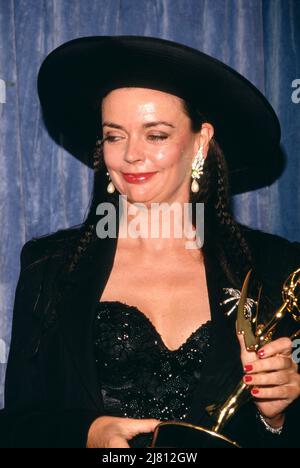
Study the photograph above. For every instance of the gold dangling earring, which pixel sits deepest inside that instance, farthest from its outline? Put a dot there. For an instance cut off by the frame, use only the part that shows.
(197, 169)
(110, 188)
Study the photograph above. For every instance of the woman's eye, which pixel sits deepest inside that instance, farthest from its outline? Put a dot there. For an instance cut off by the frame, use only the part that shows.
(111, 138)
(114, 138)
(158, 137)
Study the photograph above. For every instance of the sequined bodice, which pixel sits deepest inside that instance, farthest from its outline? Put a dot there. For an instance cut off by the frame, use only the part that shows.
(139, 377)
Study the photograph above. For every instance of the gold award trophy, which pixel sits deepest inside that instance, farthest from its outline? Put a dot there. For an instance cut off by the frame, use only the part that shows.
(180, 434)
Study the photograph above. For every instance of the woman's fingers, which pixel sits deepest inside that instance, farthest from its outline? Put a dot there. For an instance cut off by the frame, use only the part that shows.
(246, 356)
(269, 378)
(275, 363)
(139, 426)
(272, 375)
(282, 392)
(114, 432)
(281, 346)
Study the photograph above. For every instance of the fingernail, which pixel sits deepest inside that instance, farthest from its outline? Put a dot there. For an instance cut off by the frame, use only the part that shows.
(248, 378)
(261, 353)
(248, 368)
(254, 391)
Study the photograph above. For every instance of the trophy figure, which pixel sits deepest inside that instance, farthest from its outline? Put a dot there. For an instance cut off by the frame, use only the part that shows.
(256, 335)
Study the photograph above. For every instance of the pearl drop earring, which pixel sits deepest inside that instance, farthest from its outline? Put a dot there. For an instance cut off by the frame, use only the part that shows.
(197, 169)
(110, 188)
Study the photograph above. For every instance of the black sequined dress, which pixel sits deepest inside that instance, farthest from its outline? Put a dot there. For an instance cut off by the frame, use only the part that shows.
(139, 377)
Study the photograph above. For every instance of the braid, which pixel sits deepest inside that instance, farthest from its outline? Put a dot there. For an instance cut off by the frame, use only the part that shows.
(223, 236)
(237, 257)
(50, 312)
(97, 155)
(83, 243)
(99, 194)
(89, 228)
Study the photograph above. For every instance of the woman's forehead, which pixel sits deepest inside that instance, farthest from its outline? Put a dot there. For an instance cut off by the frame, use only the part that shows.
(139, 93)
(141, 101)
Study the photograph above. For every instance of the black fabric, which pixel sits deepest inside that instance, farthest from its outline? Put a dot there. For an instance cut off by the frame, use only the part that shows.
(75, 76)
(52, 382)
(33, 428)
(139, 377)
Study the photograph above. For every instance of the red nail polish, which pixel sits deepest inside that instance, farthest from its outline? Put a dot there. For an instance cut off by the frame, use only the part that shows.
(248, 378)
(248, 368)
(261, 353)
(254, 391)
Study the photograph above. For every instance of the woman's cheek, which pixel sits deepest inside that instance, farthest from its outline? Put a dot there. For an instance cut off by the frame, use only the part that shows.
(169, 156)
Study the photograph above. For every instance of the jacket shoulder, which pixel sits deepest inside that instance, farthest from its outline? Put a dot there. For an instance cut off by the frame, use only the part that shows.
(261, 240)
(57, 244)
(274, 255)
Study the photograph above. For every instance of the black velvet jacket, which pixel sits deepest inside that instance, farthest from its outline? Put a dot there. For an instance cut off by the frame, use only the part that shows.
(52, 393)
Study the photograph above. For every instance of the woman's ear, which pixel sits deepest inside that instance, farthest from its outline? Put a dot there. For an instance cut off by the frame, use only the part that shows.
(203, 138)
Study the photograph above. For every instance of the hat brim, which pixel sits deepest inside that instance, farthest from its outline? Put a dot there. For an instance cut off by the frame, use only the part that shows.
(74, 76)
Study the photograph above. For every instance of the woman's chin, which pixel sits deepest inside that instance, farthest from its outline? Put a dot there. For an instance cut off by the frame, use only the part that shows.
(136, 196)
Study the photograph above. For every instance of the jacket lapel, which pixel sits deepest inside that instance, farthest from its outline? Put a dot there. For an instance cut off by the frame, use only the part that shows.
(82, 290)
(222, 369)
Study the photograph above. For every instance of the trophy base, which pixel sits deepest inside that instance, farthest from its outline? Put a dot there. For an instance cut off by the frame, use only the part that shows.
(185, 435)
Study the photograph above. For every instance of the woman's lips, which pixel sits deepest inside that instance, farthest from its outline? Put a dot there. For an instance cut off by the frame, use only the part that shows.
(138, 178)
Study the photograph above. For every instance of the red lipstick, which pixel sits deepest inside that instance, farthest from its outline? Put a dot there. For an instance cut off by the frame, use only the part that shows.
(137, 178)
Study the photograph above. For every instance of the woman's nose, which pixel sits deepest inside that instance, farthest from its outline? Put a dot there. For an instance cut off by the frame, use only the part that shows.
(134, 151)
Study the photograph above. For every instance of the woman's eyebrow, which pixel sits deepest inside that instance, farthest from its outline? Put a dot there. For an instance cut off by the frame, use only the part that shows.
(158, 122)
(145, 125)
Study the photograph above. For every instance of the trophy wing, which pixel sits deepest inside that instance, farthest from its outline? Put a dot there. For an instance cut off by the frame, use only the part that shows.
(244, 321)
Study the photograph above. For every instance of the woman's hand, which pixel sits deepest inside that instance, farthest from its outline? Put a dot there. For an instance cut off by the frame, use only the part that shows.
(113, 432)
(273, 377)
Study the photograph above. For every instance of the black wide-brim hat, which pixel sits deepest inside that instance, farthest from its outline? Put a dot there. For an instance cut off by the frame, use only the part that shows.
(74, 77)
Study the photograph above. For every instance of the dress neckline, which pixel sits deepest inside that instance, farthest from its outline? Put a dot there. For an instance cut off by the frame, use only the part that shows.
(153, 328)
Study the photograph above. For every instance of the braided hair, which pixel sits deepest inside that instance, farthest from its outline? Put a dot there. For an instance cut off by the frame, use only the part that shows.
(89, 226)
(223, 234)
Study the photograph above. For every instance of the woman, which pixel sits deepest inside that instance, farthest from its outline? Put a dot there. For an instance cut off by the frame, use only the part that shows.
(112, 335)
